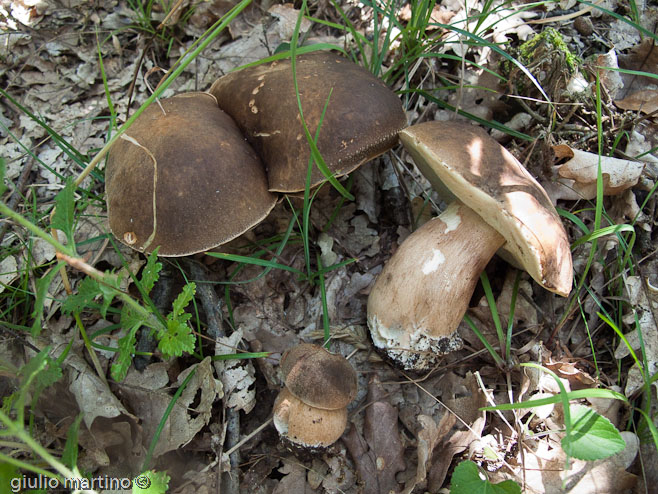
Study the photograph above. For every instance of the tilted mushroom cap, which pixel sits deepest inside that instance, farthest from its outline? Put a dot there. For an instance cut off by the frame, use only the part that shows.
(185, 180)
(319, 378)
(305, 425)
(361, 121)
(488, 179)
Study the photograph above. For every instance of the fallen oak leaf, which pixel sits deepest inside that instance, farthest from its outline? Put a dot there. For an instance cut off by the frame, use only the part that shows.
(576, 177)
(645, 101)
(379, 453)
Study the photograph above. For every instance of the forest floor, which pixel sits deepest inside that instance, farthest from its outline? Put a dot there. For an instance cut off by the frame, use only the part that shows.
(73, 71)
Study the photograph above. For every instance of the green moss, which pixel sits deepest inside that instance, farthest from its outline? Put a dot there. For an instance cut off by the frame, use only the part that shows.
(548, 41)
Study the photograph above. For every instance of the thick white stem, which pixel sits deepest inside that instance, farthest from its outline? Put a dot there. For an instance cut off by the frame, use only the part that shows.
(421, 296)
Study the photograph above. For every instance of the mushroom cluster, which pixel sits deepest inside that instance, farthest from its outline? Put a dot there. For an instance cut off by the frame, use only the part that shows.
(422, 294)
(201, 169)
(310, 412)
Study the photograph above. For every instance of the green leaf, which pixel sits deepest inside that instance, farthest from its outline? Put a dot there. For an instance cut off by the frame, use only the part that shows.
(592, 436)
(9, 477)
(151, 271)
(467, 479)
(48, 371)
(109, 290)
(70, 453)
(151, 482)
(88, 290)
(131, 317)
(42, 290)
(64, 216)
(178, 337)
(127, 344)
(182, 301)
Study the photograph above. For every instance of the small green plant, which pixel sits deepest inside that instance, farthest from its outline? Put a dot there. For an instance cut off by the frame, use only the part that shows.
(151, 482)
(468, 478)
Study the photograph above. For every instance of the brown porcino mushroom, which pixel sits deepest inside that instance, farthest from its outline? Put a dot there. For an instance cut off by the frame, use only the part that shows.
(183, 178)
(423, 292)
(361, 121)
(305, 426)
(311, 410)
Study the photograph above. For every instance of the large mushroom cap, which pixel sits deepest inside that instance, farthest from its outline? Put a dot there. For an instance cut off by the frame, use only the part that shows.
(319, 378)
(362, 119)
(488, 179)
(184, 180)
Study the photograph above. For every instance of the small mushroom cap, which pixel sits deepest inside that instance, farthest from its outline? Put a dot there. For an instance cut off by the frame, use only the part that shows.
(305, 425)
(319, 378)
(362, 118)
(470, 164)
(185, 180)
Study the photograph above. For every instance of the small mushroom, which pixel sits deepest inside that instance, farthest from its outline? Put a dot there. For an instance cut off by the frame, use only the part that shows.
(422, 293)
(311, 410)
(183, 178)
(361, 121)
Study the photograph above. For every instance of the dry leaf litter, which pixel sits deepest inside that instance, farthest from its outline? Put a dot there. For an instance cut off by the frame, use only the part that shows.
(405, 432)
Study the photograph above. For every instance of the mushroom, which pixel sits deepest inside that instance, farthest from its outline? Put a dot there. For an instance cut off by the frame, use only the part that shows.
(183, 178)
(421, 295)
(361, 121)
(311, 410)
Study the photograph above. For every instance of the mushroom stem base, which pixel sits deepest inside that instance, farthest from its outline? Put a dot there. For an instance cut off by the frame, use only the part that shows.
(421, 296)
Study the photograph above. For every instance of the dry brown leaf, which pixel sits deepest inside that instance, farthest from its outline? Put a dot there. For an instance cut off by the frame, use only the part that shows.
(567, 370)
(429, 437)
(379, 455)
(237, 376)
(645, 101)
(439, 15)
(643, 58)
(184, 423)
(8, 272)
(294, 480)
(287, 16)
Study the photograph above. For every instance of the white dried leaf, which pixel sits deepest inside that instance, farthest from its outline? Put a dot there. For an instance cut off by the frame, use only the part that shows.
(237, 376)
(41, 252)
(328, 256)
(643, 312)
(8, 272)
(287, 16)
(577, 177)
(93, 396)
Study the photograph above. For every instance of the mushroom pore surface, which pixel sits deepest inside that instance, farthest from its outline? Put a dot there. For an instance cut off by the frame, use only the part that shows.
(474, 168)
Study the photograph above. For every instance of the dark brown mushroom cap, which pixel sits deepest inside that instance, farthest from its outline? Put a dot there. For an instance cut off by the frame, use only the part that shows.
(361, 122)
(319, 378)
(486, 177)
(185, 180)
